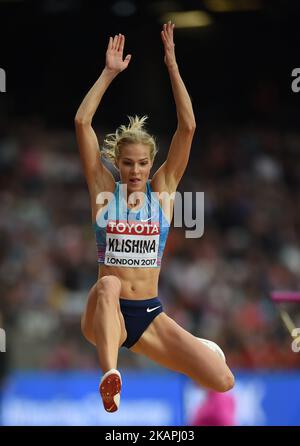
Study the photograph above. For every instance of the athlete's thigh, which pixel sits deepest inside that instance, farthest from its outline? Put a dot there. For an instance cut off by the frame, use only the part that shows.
(168, 344)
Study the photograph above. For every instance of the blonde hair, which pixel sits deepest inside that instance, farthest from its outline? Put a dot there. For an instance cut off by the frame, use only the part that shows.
(134, 133)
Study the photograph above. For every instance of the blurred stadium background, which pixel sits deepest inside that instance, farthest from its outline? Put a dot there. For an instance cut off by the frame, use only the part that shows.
(236, 57)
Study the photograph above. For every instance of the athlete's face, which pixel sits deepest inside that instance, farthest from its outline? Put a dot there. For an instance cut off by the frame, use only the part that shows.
(134, 165)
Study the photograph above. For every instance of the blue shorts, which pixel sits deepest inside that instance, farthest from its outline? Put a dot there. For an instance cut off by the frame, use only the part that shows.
(138, 315)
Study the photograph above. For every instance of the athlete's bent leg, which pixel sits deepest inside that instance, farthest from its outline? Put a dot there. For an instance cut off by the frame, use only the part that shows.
(102, 322)
(168, 344)
(103, 325)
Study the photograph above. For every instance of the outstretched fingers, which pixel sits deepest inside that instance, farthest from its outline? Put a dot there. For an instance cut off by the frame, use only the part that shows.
(114, 55)
(115, 42)
(121, 43)
(168, 30)
(110, 44)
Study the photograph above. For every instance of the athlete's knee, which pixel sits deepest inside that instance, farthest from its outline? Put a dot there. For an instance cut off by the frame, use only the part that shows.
(225, 382)
(109, 283)
(108, 290)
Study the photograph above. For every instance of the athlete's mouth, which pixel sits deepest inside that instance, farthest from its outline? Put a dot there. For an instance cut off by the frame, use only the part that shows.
(134, 180)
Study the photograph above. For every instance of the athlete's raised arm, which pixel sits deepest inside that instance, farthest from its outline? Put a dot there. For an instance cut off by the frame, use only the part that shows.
(97, 175)
(169, 174)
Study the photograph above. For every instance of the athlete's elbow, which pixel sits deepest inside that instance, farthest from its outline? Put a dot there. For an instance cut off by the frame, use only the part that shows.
(192, 127)
(188, 127)
(81, 120)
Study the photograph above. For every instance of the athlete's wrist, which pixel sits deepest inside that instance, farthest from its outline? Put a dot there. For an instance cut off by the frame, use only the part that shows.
(172, 67)
(109, 74)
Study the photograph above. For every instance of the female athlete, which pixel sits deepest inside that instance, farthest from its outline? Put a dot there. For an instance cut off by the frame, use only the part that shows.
(131, 222)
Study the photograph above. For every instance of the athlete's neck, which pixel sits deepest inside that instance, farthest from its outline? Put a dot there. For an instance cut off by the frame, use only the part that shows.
(135, 198)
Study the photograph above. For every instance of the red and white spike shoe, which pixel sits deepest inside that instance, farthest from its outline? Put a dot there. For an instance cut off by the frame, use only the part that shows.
(110, 390)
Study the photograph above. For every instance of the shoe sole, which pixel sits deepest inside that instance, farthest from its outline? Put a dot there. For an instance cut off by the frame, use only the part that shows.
(110, 390)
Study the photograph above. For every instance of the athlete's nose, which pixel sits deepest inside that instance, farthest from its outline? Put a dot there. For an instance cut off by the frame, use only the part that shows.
(135, 168)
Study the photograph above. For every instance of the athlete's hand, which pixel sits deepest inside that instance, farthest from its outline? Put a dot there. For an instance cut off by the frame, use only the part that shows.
(168, 42)
(114, 54)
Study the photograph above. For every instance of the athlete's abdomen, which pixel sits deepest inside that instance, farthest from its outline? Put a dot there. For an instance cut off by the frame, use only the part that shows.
(137, 283)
